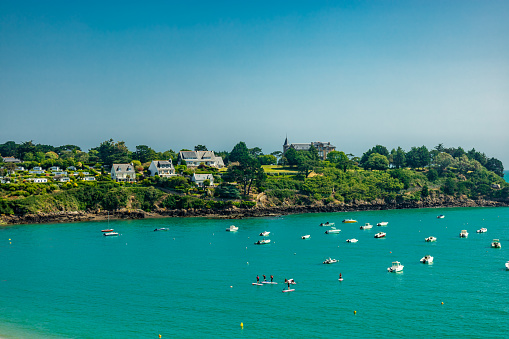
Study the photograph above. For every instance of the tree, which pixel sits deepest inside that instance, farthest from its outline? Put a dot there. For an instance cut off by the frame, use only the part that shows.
(144, 154)
(382, 150)
(496, 166)
(239, 153)
(255, 152)
(291, 157)
(227, 191)
(246, 173)
(340, 159)
(267, 159)
(200, 148)
(377, 162)
(418, 157)
(398, 157)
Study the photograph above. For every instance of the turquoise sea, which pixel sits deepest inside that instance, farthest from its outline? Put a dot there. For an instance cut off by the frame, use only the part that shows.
(194, 281)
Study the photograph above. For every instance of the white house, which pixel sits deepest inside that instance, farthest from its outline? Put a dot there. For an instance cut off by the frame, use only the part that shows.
(71, 168)
(54, 169)
(195, 158)
(40, 180)
(162, 168)
(89, 178)
(37, 168)
(199, 179)
(123, 172)
(36, 172)
(63, 179)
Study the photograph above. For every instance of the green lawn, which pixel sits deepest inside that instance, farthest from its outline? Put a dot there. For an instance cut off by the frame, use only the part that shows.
(279, 169)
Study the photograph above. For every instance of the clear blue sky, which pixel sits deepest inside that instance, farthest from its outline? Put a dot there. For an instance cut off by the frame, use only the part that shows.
(175, 74)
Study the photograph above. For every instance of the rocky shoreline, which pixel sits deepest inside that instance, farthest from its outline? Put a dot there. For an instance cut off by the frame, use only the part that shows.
(239, 213)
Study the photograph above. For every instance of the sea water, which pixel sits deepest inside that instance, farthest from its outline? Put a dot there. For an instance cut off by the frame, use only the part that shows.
(195, 280)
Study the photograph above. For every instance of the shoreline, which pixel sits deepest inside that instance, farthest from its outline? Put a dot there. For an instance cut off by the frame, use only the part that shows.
(240, 213)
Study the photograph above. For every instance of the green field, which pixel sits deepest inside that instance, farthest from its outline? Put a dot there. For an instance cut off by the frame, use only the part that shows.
(279, 169)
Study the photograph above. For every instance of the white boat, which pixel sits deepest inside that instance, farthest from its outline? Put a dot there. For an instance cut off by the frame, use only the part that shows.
(327, 224)
(396, 267)
(383, 223)
(108, 234)
(332, 230)
(496, 243)
(264, 234)
(330, 261)
(507, 265)
(482, 230)
(441, 216)
(232, 228)
(351, 240)
(380, 235)
(305, 236)
(427, 259)
(161, 229)
(349, 221)
(262, 242)
(430, 239)
(463, 234)
(366, 226)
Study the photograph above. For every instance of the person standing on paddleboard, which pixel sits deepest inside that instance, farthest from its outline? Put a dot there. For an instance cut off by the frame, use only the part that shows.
(257, 279)
(264, 278)
(271, 278)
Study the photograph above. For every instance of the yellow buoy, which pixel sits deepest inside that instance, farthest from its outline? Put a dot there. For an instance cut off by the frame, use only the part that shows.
(241, 324)
(160, 336)
(354, 312)
(442, 302)
(231, 286)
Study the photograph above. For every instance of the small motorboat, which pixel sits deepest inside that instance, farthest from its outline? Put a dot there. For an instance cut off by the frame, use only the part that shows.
(327, 224)
(232, 228)
(427, 259)
(441, 216)
(330, 261)
(262, 242)
(496, 244)
(351, 240)
(305, 236)
(366, 226)
(161, 229)
(482, 230)
(349, 221)
(332, 230)
(463, 234)
(108, 230)
(264, 234)
(396, 267)
(507, 265)
(383, 223)
(380, 235)
(107, 234)
(430, 239)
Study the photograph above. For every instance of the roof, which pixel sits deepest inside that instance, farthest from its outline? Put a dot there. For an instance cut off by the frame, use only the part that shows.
(203, 176)
(123, 168)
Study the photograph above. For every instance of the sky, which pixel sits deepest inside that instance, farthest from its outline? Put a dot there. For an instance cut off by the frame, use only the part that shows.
(175, 74)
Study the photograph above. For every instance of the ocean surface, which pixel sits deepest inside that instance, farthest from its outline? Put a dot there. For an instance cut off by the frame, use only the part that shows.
(195, 280)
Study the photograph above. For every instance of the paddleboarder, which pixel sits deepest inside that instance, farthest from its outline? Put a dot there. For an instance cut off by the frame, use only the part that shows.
(264, 278)
(257, 279)
(340, 277)
(271, 278)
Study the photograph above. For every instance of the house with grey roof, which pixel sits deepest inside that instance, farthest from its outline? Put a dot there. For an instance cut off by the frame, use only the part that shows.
(123, 173)
(199, 179)
(195, 158)
(162, 168)
(323, 148)
(12, 159)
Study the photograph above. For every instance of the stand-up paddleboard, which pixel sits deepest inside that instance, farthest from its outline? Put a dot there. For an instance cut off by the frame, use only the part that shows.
(290, 290)
(340, 279)
(269, 282)
(257, 284)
